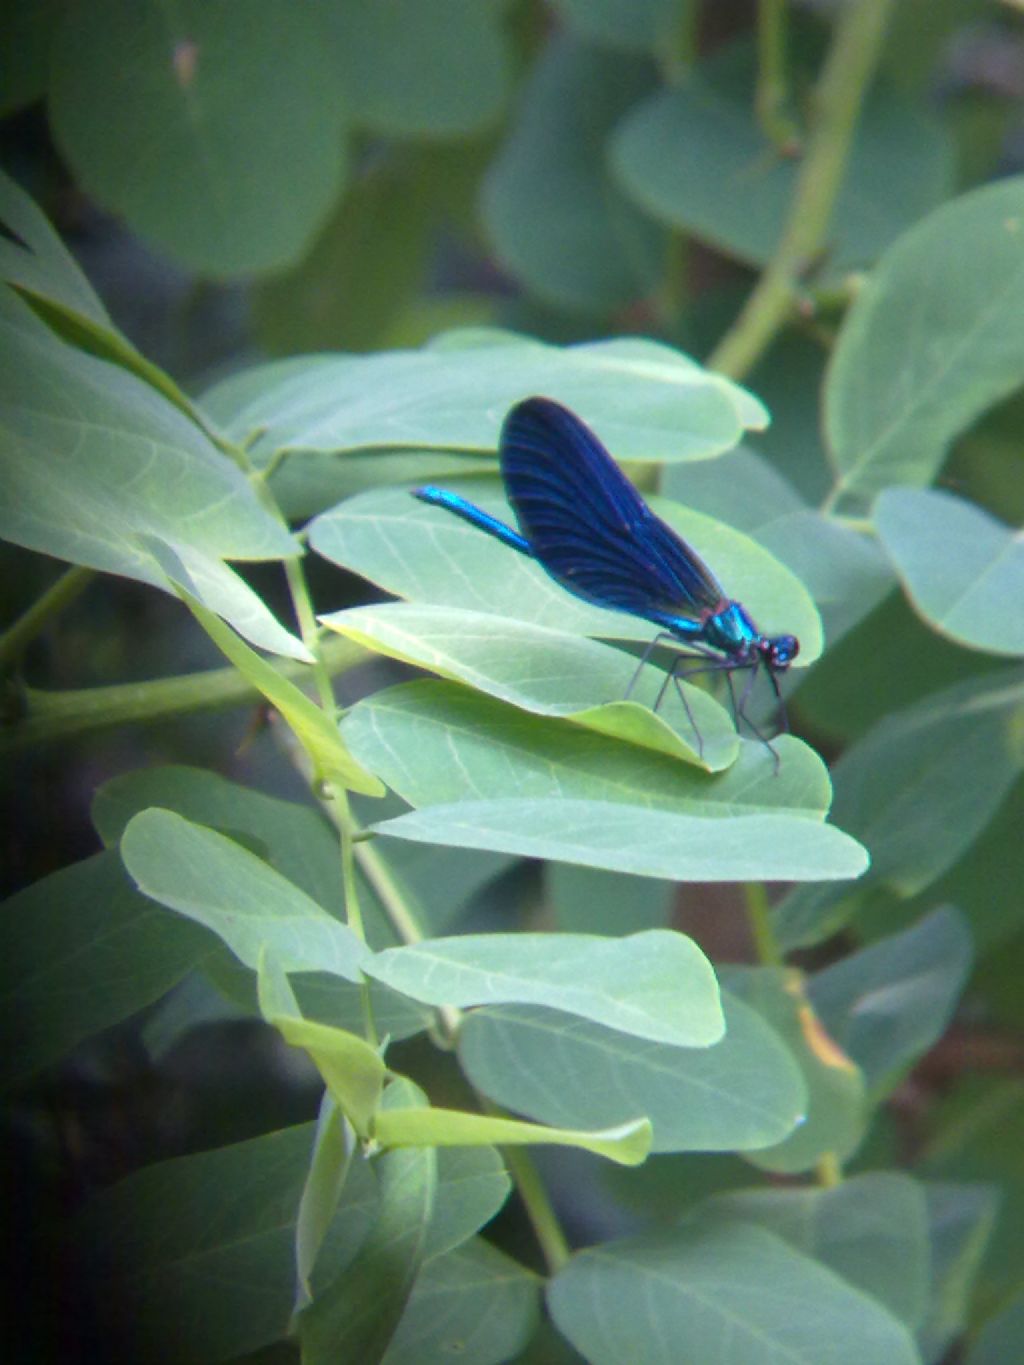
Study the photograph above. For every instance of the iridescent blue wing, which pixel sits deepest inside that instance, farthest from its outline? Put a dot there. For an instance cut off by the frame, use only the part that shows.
(586, 523)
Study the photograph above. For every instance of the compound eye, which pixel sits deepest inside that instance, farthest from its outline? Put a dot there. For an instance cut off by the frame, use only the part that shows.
(784, 650)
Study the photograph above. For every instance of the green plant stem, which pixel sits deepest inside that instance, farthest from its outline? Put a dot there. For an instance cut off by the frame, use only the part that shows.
(840, 92)
(769, 954)
(394, 901)
(828, 1170)
(398, 907)
(306, 617)
(533, 1193)
(772, 95)
(669, 302)
(16, 638)
(49, 716)
(335, 796)
(676, 47)
(347, 829)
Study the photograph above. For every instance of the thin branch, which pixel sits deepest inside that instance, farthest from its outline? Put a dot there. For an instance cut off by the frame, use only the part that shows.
(840, 93)
(49, 716)
(20, 634)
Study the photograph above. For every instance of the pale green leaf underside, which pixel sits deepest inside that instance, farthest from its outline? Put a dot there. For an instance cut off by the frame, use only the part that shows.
(648, 843)
(216, 882)
(655, 985)
(644, 399)
(962, 570)
(94, 464)
(435, 742)
(741, 1093)
(732, 1294)
(934, 339)
(546, 672)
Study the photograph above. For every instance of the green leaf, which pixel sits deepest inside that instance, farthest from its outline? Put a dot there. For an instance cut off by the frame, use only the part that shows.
(352, 1070)
(35, 261)
(889, 1003)
(475, 1305)
(656, 985)
(410, 70)
(695, 157)
(315, 730)
(469, 747)
(872, 1231)
(648, 843)
(636, 25)
(294, 838)
(836, 1113)
(354, 1317)
(81, 950)
(193, 1257)
(333, 1148)
(918, 790)
(32, 256)
(732, 1294)
(558, 223)
(425, 554)
(959, 566)
(935, 337)
(644, 399)
(171, 121)
(544, 671)
(961, 1219)
(627, 1144)
(1001, 1337)
(218, 883)
(738, 1094)
(472, 1185)
(298, 842)
(93, 461)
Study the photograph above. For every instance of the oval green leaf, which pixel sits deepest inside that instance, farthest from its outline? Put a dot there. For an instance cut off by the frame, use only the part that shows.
(734, 1294)
(935, 337)
(470, 747)
(171, 121)
(645, 400)
(656, 984)
(739, 1094)
(648, 843)
(223, 886)
(960, 567)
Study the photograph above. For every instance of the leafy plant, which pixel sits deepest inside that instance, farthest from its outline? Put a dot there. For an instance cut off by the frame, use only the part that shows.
(756, 1163)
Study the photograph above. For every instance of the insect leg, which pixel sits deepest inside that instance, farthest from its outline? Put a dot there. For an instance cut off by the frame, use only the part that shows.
(677, 675)
(648, 651)
(741, 712)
